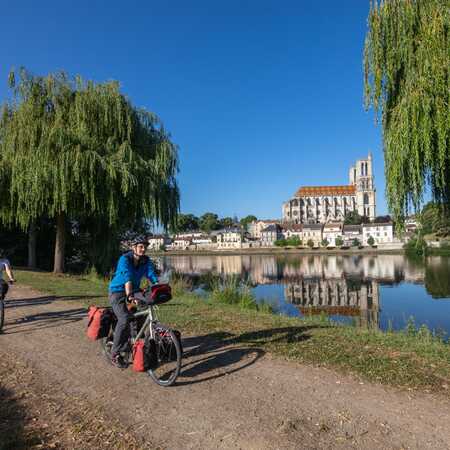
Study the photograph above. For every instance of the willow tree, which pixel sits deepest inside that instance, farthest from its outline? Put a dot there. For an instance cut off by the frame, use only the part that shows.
(72, 149)
(406, 61)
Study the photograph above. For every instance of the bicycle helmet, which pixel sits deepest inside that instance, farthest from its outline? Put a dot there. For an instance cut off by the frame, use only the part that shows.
(139, 240)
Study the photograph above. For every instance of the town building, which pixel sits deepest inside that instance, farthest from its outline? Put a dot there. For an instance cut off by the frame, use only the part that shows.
(230, 239)
(322, 204)
(271, 234)
(180, 243)
(293, 230)
(313, 232)
(382, 233)
(331, 231)
(255, 227)
(350, 233)
(158, 241)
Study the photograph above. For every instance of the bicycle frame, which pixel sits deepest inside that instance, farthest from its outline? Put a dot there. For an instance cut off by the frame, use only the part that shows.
(150, 321)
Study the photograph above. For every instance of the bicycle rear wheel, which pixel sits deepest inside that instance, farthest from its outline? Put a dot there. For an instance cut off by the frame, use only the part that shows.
(168, 353)
(2, 313)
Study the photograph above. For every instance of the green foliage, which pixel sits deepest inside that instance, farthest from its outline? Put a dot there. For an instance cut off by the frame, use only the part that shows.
(226, 222)
(407, 61)
(339, 241)
(294, 241)
(79, 151)
(356, 242)
(185, 222)
(371, 241)
(416, 246)
(324, 242)
(353, 218)
(383, 219)
(246, 220)
(281, 243)
(310, 243)
(209, 222)
(434, 218)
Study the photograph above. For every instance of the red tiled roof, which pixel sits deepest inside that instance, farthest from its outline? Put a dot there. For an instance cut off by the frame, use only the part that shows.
(308, 191)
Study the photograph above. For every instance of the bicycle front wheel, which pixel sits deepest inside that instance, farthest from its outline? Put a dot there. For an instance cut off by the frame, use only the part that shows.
(2, 313)
(168, 357)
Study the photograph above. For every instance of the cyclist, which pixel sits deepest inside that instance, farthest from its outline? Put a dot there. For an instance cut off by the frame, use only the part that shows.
(5, 266)
(131, 268)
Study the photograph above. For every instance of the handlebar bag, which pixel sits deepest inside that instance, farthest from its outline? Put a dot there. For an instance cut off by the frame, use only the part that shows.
(161, 293)
(99, 322)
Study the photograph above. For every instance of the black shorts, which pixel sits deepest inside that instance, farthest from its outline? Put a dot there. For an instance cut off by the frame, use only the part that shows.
(3, 288)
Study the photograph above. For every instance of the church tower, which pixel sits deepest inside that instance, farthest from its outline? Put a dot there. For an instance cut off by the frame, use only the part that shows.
(361, 176)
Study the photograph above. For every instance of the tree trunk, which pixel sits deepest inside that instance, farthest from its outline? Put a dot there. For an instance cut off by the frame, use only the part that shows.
(60, 243)
(32, 241)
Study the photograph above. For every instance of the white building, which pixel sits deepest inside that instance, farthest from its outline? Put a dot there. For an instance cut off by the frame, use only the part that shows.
(180, 244)
(321, 204)
(158, 241)
(293, 230)
(255, 227)
(331, 231)
(350, 233)
(271, 234)
(313, 232)
(382, 233)
(230, 239)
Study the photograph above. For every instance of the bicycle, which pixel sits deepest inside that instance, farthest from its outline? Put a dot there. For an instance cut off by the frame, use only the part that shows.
(166, 361)
(2, 308)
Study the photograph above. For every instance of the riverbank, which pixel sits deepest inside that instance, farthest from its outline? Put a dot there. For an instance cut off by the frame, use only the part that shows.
(58, 391)
(413, 359)
(283, 251)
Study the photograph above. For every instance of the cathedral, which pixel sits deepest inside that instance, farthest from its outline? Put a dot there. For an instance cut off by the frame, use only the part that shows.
(322, 204)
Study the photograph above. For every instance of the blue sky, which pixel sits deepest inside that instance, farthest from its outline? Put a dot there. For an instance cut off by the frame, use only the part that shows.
(261, 96)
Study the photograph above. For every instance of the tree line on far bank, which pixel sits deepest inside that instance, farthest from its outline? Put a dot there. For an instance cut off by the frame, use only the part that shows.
(208, 222)
(80, 168)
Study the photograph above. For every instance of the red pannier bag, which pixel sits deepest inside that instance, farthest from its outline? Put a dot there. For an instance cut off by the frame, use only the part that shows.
(99, 322)
(139, 356)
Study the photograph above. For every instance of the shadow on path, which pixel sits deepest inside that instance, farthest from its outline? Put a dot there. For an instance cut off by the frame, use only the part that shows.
(39, 321)
(226, 353)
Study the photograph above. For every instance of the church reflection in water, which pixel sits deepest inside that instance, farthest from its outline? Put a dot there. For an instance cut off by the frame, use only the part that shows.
(337, 285)
(353, 298)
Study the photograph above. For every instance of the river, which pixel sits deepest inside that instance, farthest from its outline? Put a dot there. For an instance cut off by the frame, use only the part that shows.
(382, 291)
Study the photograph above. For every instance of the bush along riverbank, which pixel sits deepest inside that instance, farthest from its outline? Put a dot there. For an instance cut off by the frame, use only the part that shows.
(414, 358)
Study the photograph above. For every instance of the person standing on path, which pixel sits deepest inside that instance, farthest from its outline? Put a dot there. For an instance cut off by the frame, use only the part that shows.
(131, 268)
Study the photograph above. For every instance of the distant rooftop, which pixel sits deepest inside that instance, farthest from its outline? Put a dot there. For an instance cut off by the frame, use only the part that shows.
(308, 191)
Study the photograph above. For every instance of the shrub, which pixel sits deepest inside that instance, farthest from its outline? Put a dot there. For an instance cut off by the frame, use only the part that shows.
(324, 242)
(339, 241)
(310, 243)
(371, 241)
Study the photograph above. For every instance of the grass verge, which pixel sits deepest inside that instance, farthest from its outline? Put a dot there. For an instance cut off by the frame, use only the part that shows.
(410, 359)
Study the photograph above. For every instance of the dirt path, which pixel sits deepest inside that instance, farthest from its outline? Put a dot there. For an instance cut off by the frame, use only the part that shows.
(227, 397)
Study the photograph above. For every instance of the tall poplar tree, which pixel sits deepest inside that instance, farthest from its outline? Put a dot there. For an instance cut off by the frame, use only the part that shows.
(406, 61)
(72, 149)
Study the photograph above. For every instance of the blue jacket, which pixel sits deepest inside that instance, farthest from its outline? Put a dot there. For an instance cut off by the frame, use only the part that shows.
(127, 271)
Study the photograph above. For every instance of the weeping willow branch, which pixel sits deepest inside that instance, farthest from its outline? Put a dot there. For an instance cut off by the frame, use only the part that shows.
(74, 147)
(406, 65)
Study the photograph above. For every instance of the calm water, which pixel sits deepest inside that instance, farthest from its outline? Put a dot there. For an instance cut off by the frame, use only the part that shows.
(371, 290)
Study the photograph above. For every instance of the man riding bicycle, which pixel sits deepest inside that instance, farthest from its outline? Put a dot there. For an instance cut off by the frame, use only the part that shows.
(131, 268)
(6, 266)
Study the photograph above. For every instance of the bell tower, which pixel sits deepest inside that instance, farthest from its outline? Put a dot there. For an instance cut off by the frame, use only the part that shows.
(361, 175)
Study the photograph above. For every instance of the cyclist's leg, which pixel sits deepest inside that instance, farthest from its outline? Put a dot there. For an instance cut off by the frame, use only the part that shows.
(122, 329)
(3, 288)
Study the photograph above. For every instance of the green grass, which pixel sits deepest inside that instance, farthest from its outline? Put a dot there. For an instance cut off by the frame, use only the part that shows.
(410, 359)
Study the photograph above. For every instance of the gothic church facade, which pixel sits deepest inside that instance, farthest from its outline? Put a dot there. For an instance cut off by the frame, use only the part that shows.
(322, 204)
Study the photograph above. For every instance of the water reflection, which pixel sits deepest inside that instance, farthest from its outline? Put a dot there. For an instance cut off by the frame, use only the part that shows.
(341, 286)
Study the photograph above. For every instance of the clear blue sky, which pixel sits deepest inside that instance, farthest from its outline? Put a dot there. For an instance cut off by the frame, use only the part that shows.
(261, 96)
